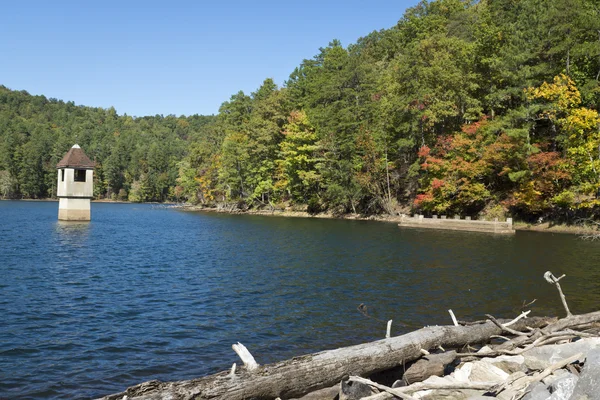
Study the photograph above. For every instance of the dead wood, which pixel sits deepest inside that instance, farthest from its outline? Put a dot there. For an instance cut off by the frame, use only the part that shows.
(430, 365)
(298, 376)
(554, 327)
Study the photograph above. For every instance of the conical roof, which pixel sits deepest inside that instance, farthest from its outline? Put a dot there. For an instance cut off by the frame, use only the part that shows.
(76, 158)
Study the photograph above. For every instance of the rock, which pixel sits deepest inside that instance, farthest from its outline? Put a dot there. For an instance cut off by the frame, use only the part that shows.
(485, 349)
(486, 372)
(542, 357)
(559, 373)
(463, 372)
(479, 371)
(509, 394)
(537, 391)
(588, 385)
(352, 390)
(562, 388)
(508, 364)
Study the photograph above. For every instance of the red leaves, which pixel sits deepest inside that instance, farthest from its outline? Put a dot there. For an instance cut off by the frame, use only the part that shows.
(422, 199)
(471, 129)
(424, 151)
(437, 183)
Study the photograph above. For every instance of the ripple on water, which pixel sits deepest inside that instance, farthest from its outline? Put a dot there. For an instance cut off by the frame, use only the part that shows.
(141, 293)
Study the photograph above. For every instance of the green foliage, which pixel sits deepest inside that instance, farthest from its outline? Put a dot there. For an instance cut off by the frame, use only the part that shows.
(36, 132)
(298, 159)
(461, 107)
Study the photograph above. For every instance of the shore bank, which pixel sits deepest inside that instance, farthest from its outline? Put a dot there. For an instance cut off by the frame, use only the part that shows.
(547, 227)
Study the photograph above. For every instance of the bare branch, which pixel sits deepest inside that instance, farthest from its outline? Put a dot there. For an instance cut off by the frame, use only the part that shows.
(550, 278)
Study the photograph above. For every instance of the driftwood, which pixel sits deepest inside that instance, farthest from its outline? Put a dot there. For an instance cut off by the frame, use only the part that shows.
(556, 331)
(301, 375)
(429, 365)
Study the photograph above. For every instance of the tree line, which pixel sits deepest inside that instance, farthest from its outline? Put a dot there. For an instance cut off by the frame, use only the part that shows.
(463, 107)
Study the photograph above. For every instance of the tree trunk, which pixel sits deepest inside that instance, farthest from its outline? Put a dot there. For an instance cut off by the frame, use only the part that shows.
(387, 177)
(301, 375)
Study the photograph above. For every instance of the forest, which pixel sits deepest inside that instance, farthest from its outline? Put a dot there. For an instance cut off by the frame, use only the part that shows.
(463, 107)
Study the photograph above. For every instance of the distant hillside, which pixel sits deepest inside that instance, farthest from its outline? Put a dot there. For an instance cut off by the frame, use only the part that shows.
(463, 107)
(136, 158)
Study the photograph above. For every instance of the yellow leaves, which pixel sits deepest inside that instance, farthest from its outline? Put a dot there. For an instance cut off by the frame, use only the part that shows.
(579, 127)
(581, 122)
(529, 196)
(562, 93)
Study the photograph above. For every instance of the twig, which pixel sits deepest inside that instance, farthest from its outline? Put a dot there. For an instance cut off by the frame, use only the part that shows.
(417, 387)
(364, 310)
(550, 278)
(453, 318)
(246, 357)
(504, 327)
(388, 332)
(232, 372)
(528, 304)
(522, 315)
(393, 391)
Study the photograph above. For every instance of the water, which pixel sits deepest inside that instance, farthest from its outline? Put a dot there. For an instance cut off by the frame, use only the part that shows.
(144, 293)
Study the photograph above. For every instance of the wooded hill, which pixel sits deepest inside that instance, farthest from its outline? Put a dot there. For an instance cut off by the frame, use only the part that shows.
(463, 107)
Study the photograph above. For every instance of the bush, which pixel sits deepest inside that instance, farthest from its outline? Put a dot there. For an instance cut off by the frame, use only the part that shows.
(314, 206)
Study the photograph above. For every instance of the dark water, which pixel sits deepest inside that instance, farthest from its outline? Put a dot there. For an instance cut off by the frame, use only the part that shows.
(146, 293)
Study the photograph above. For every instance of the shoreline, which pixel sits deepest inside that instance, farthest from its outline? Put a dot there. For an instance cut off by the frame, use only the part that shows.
(546, 227)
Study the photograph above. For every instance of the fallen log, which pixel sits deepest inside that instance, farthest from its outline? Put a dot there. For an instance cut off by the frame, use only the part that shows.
(301, 375)
(429, 365)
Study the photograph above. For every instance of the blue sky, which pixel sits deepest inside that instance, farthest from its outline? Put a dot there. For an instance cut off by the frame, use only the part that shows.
(171, 57)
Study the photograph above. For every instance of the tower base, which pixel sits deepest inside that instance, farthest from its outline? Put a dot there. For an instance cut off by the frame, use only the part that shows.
(70, 209)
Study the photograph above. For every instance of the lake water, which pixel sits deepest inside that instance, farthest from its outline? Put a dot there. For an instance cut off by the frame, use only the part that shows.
(145, 292)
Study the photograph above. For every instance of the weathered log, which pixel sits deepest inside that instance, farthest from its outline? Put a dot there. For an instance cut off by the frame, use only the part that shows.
(430, 365)
(301, 375)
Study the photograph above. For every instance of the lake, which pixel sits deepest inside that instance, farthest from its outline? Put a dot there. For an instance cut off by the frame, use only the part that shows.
(144, 292)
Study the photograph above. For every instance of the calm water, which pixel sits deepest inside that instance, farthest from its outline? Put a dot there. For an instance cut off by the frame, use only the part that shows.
(144, 293)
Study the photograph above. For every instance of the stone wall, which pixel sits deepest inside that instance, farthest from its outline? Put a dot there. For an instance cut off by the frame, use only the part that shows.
(457, 224)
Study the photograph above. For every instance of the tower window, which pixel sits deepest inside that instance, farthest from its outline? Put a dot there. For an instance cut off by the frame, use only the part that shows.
(62, 175)
(80, 175)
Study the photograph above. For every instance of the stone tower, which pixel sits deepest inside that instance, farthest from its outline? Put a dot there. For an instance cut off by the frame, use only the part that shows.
(75, 185)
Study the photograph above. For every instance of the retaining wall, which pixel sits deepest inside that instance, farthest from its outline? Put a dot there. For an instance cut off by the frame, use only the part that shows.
(457, 224)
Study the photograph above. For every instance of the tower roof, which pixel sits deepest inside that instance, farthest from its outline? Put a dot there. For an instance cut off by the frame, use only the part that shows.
(76, 158)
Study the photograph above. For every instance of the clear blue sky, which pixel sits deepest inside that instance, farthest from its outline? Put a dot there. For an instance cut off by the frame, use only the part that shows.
(171, 57)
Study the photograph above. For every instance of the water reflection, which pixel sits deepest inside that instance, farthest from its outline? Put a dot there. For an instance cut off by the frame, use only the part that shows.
(72, 233)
